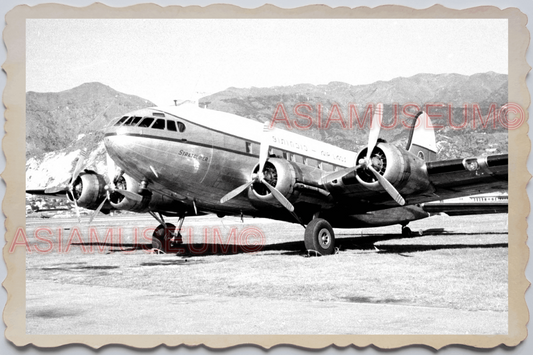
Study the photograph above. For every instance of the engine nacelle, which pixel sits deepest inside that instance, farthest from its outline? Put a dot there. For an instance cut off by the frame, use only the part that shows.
(402, 169)
(279, 173)
(151, 201)
(89, 190)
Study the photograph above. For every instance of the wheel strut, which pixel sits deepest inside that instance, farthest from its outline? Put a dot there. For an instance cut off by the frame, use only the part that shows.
(165, 236)
(177, 238)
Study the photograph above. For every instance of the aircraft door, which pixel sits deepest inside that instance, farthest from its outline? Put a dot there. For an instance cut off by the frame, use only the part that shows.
(206, 177)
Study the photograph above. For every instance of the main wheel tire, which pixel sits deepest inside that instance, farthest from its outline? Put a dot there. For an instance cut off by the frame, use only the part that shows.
(319, 237)
(162, 235)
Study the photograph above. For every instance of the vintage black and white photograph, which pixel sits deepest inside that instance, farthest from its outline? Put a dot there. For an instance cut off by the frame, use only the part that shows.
(267, 176)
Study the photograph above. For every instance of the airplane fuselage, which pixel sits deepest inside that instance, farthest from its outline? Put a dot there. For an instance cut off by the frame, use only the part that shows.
(192, 157)
(210, 153)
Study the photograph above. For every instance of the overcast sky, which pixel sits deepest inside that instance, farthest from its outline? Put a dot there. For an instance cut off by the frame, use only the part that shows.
(162, 60)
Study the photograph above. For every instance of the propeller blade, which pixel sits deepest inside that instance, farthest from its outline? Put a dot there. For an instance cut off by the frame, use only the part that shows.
(263, 157)
(77, 209)
(194, 205)
(375, 127)
(264, 147)
(278, 195)
(339, 174)
(97, 210)
(283, 201)
(79, 165)
(111, 167)
(391, 190)
(128, 194)
(235, 192)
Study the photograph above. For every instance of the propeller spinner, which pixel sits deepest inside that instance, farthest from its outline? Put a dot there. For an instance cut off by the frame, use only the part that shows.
(367, 162)
(259, 177)
(111, 187)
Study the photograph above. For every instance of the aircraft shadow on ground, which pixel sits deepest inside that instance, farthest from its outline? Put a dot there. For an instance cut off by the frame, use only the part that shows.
(297, 247)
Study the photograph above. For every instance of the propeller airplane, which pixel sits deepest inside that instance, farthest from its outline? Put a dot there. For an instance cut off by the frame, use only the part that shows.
(185, 160)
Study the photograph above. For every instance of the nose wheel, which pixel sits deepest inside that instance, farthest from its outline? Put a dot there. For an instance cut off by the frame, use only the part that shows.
(319, 237)
(166, 236)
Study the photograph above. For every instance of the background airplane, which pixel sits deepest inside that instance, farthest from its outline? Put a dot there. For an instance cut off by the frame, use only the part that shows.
(184, 160)
(470, 205)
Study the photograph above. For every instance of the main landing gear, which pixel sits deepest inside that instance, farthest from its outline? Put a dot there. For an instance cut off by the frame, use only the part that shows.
(319, 237)
(165, 238)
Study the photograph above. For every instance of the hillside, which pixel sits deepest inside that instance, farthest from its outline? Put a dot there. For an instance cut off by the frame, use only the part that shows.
(59, 124)
(421, 88)
(56, 120)
(483, 89)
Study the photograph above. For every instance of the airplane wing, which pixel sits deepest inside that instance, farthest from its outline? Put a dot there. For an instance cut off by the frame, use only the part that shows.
(460, 177)
(423, 182)
(388, 176)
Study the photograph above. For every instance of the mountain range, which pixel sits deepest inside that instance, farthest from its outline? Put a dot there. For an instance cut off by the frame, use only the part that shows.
(60, 123)
(56, 120)
(483, 88)
(451, 90)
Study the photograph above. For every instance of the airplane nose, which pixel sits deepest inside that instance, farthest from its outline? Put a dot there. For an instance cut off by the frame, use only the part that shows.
(118, 145)
(115, 134)
(121, 136)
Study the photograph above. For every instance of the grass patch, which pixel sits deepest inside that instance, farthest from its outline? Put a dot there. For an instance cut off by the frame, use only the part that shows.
(458, 269)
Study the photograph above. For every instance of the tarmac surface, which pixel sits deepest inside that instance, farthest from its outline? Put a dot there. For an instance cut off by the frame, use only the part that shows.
(112, 310)
(120, 288)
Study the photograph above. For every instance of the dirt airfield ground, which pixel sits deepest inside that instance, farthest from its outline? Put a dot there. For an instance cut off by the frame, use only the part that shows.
(450, 280)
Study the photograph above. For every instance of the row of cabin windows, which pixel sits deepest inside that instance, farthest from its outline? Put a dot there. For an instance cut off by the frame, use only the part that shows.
(151, 122)
(296, 158)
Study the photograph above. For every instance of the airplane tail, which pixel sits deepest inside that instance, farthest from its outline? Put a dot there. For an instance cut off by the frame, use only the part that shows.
(422, 141)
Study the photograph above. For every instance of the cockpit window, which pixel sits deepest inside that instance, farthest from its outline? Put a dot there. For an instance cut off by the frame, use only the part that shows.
(159, 124)
(128, 121)
(181, 127)
(171, 126)
(121, 121)
(146, 122)
(135, 121)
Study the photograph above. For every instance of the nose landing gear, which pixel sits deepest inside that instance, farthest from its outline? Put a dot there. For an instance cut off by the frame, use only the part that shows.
(166, 236)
